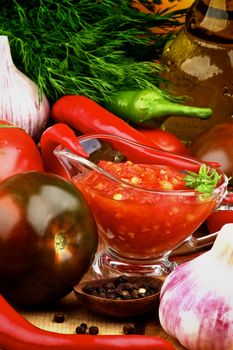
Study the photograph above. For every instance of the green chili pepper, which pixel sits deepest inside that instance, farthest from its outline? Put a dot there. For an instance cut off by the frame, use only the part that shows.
(150, 107)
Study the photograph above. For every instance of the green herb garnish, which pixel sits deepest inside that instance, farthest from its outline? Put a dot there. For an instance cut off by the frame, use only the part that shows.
(87, 47)
(204, 181)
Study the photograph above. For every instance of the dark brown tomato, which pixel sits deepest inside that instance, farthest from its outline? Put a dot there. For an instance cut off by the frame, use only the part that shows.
(48, 238)
(215, 144)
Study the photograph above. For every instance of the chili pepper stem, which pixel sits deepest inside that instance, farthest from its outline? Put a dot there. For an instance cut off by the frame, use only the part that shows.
(149, 106)
(172, 108)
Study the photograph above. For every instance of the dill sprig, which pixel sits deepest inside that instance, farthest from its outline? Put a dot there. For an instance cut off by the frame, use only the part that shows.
(93, 48)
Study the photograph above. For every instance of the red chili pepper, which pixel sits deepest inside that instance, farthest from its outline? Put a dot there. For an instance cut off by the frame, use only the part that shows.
(16, 333)
(61, 134)
(165, 140)
(87, 116)
(58, 134)
(148, 155)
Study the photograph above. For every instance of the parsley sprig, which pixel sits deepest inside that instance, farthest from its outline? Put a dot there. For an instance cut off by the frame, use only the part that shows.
(204, 181)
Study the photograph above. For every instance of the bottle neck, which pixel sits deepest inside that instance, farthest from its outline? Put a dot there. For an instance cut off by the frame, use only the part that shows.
(211, 20)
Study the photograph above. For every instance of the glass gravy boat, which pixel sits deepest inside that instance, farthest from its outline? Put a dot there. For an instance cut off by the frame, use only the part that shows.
(143, 230)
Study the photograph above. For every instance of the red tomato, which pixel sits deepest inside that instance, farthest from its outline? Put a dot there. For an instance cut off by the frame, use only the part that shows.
(18, 151)
(165, 140)
(219, 218)
(215, 144)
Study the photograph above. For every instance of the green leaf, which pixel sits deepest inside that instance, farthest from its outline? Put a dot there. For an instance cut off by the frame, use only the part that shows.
(204, 181)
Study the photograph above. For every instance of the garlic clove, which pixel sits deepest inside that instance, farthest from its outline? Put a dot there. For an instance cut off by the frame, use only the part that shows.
(196, 299)
(20, 100)
(224, 243)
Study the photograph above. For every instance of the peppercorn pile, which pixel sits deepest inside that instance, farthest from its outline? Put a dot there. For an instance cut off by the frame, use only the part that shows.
(83, 329)
(122, 289)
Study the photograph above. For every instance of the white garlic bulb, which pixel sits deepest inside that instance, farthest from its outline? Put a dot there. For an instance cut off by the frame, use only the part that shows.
(20, 103)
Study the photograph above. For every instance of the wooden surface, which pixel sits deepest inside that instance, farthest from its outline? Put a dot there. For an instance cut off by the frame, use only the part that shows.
(75, 314)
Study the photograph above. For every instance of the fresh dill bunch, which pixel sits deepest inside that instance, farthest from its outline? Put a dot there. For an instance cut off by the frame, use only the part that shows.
(92, 48)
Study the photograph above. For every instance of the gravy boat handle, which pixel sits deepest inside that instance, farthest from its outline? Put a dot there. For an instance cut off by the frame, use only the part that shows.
(193, 245)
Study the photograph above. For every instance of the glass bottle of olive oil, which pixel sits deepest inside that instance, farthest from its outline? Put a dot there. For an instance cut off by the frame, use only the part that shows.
(200, 65)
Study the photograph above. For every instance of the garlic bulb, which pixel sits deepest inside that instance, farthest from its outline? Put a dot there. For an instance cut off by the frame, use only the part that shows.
(196, 304)
(20, 103)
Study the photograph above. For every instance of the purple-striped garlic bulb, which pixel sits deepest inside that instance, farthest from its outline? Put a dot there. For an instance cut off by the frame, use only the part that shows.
(196, 299)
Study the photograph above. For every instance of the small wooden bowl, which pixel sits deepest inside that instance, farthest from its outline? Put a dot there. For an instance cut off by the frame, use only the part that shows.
(115, 307)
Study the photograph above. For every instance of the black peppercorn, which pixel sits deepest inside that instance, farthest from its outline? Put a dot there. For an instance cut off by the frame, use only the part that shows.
(123, 279)
(93, 330)
(59, 318)
(84, 325)
(81, 329)
(129, 329)
(88, 289)
(109, 285)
